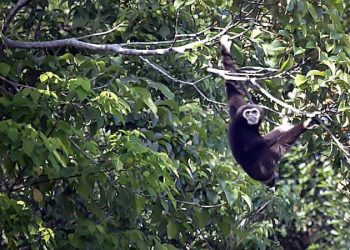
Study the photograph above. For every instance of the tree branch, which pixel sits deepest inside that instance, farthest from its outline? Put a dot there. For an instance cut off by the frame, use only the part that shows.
(15, 85)
(179, 201)
(20, 4)
(346, 153)
(102, 33)
(115, 48)
(193, 84)
(224, 74)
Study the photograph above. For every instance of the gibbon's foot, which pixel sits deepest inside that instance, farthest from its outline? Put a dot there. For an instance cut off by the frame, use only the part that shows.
(273, 180)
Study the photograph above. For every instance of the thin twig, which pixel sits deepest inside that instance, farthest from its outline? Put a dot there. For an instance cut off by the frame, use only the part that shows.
(194, 35)
(176, 29)
(182, 201)
(15, 182)
(257, 69)
(153, 43)
(254, 82)
(83, 152)
(60, 178)
(278, 101)
(335, 139)
(102, 33)
(109, 82)
(15, 85)
(193, 84)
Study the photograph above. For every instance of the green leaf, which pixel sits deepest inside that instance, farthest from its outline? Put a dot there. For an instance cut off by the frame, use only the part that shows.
(162, 88)
(164, 31)
(81, 93)
(159, 246)
(247, 199)
(343, 106)
(85, 84)
(43, 78)
(146, 98)
(300, 80)
(83, 188)
(79, 22)
(171, 229)
(4, 69)
(312, 11)
(60, 158)
(331, 65)
(287, 64)
(238, 53)
(311, 45)
(48, 75)
(28, 146)
(79, 82)
(290, 5)
(231, 196)
(67, 57)
(298, 51)
(12, 133)
(315, 73)
(225, 226)
(137, 147)
(178, 4)
(202, 217)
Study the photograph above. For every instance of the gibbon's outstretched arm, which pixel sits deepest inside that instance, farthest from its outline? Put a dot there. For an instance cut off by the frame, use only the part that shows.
(235, 94)
(281, 139)
(284, 137)
(258, 155)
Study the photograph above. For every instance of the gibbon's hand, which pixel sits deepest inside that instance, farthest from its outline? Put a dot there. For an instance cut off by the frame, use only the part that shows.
(313, 121)
(225, 42)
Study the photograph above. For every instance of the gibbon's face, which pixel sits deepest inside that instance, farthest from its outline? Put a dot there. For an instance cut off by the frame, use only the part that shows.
(252, 116)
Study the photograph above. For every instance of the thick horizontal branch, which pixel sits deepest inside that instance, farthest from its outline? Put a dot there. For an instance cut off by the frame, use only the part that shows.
(73, 42)
(115, 48)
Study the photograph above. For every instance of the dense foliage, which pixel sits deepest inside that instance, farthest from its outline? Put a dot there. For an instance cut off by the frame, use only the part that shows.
(115, 150)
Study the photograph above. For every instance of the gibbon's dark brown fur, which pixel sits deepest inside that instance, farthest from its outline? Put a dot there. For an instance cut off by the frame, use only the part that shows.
(258, 155)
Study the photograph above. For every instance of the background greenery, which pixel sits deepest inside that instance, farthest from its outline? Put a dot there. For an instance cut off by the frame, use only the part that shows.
(103, 151)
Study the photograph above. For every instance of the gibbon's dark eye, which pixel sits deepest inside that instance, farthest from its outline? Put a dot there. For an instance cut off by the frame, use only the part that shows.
(254, 112)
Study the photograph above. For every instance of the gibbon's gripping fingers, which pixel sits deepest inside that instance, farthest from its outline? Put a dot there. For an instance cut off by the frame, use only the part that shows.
(312, 123)
(314, 114)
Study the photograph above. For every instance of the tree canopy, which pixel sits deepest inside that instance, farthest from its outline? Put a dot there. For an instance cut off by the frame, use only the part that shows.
(113, 124)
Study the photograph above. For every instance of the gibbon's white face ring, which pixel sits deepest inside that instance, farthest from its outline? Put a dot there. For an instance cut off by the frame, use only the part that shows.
(252, 116)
